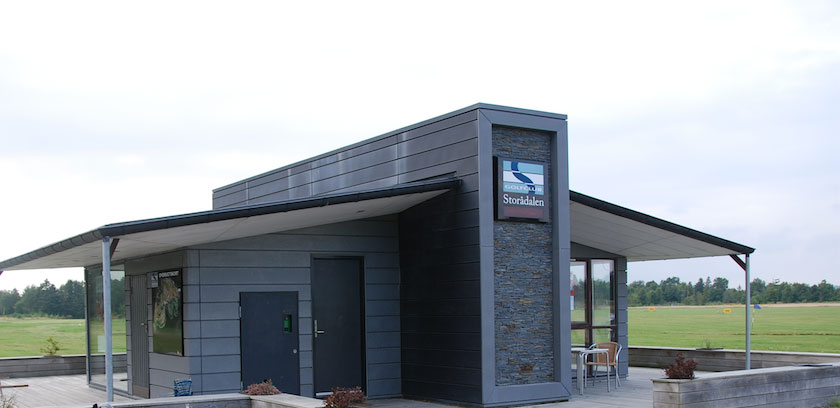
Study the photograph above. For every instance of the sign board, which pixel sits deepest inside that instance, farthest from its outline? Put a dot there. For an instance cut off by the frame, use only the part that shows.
(521, 190)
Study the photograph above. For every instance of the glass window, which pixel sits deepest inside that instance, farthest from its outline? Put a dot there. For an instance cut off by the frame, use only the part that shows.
(601, 335)
(96, 325)
(602, 292)
(578, 291)
(592, 300)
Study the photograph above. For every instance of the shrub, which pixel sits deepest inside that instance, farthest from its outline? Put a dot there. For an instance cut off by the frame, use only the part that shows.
(343, 397)
(264, 388)
(51, 348)
(681, 369)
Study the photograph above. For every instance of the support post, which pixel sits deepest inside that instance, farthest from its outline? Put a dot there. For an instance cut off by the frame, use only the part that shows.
(106, 312)
(749, 309)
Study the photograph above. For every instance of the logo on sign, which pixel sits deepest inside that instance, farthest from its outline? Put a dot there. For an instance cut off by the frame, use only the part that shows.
(523, 178)
(521, 190)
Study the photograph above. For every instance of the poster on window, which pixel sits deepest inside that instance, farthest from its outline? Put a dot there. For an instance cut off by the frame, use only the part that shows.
(167, 319)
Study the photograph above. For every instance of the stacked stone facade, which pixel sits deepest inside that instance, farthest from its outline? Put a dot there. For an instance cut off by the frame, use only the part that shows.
(523, 284)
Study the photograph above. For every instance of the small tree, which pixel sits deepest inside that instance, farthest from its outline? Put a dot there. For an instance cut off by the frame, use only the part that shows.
(51, 348)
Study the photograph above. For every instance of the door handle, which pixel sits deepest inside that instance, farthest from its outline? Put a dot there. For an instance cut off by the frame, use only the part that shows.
(317, 332)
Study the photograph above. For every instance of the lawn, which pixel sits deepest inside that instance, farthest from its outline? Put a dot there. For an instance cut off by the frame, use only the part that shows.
(26, 337)
(808, 327)
(812, 327)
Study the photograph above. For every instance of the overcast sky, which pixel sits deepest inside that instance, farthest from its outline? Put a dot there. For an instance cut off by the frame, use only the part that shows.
(720, 116)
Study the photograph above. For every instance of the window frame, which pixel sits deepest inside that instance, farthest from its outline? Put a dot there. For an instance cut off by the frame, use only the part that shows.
(587, 326)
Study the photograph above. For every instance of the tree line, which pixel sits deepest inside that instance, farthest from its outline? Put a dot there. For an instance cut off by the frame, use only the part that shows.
(66, 301)
(708, 291)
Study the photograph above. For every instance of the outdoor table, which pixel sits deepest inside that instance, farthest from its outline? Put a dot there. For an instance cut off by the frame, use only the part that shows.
(582, 353)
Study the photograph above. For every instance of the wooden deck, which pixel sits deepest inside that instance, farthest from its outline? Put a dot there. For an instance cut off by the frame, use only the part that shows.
(635, 391)
(63, 390)
(71, 390)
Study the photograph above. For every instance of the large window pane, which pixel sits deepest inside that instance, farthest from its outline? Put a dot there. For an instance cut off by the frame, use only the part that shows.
(579, 338)
(96, 325)
(601, 335)
(602, 300)
(578, 296)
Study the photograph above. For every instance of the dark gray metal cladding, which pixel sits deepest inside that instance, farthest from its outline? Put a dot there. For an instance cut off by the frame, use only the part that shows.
(397, 157)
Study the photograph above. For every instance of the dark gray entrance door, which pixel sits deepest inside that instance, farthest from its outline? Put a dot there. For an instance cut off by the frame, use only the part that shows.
(269, 339)
(338, 330)
(139, 316)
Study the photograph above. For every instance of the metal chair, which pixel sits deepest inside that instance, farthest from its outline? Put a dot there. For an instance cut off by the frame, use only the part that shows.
(609, 361)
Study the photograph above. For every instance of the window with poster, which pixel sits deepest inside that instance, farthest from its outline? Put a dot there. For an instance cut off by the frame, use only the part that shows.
(167, 318)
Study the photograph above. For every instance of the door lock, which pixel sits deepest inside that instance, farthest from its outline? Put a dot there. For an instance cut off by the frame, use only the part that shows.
(317, 332)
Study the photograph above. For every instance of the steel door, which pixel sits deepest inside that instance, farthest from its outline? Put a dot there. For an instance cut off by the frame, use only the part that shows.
(269, 339)
(338, 330)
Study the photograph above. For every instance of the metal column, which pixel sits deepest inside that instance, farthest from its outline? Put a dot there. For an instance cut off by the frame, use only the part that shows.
(106, 311)
(749, 309)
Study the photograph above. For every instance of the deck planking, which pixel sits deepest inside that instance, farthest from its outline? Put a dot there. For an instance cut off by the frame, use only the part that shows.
(62, 390)
(71, 390)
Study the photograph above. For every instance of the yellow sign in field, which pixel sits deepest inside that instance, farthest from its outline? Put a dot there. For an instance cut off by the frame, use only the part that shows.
(651, 308)
(727, 310)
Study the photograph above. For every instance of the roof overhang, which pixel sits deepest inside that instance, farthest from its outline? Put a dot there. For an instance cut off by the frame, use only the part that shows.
(594, 223)
(144, 237)
(640, 237)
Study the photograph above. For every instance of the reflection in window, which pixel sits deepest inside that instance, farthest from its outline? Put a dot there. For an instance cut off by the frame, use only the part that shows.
(601, 335)
(578, 288)
(96, 325)
(602, 300)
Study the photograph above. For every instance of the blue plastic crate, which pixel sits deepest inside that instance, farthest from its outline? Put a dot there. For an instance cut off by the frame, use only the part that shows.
(182, 388)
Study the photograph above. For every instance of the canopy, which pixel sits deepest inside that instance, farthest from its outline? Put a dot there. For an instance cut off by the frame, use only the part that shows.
(144, 237)
(638, 236)
(594, 223)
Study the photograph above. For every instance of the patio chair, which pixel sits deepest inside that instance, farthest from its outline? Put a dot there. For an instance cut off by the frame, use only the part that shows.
(609, 361)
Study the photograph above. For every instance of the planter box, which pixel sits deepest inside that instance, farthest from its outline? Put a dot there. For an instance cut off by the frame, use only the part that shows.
(811, 385)
(723, 359)
(225, 401)
(36, 366)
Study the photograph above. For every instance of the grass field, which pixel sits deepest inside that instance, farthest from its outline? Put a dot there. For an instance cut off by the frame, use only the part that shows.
(25, 337)
(800, 327)
(796, 327)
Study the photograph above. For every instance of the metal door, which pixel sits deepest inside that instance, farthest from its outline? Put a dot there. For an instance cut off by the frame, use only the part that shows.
(338, 331)
(139, 316)
(268, 327)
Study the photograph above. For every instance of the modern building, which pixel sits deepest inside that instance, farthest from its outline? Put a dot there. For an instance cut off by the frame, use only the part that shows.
(446, 260)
